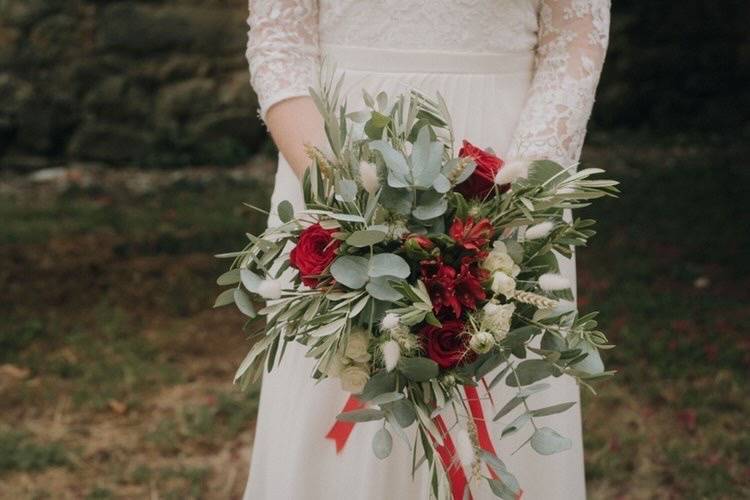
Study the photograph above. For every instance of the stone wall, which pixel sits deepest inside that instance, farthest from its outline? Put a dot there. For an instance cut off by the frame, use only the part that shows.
(148, 82)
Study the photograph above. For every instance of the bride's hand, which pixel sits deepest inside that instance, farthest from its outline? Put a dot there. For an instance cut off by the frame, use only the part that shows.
(293, 123)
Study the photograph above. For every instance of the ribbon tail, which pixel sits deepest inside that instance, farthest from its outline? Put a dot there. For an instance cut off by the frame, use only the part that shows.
(483, 435)
(451, 463)
(340, 431)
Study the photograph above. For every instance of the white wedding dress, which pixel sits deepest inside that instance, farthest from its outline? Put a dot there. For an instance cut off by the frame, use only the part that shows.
(518, 76)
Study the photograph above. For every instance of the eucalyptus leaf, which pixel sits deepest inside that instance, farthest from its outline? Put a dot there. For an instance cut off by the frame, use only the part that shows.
(516, 424)
(346, 189)
(244, 304)
(350, 271)
(403, 411)
(394, 160)
(546, 441)
(231, 277)
(388, 397)
(225, 298)
(418, 369)
(431, 211)
(365, 238)
(388, 264)
(382, 443)
(286, 211)
(528, 372)
(363, 415)
(552, 410)
(380, 289)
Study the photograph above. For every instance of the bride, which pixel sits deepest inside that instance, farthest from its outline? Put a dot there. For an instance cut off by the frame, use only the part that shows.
(519, 76)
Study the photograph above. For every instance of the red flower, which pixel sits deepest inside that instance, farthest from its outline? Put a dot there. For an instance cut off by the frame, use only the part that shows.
(314, 252)
(447, 345)
(450, 291)
(482, 180)
(440, 280)
(421, 241)
(471, 235)
(468, 288)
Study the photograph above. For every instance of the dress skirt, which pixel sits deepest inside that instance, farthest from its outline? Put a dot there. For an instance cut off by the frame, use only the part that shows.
(291, 459)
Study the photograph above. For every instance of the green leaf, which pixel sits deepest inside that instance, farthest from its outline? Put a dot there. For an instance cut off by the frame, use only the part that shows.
(546, 441)
(350, 271)
(346, 189)
(225, 298)
(231, 277)
(388, 264)
(418, 369)
(441, 184)
(435, 209)
(509, 406)
(403, 410)
(363, 415)
(388, 397)
(244, 304)
(382, 443)
(516, 424)
(393, 159)
(551, 410)
(361, 239)
(380, 289)
(528, 372)
(286, 211)
(379, 383)
(541, 171)
(425, 159)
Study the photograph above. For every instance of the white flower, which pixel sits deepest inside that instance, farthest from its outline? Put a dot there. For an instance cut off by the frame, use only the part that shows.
(368, 175)
(511, 170)
(481, 342)
(357, 346)
(270, 289)
(354, 378)
(503, 284)
(465, 449)
(497, 317)
(499, 260)
(539, 230)
(390, 321)
(391, 354)
(336, 365)
(550, 282)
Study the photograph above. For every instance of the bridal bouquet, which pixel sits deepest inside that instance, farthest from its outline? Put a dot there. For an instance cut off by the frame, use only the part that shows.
(415, 274)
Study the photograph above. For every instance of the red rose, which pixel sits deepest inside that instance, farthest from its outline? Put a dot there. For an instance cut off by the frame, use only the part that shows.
(482, 180)
(447, 345)
(314, 252)
(471, 235)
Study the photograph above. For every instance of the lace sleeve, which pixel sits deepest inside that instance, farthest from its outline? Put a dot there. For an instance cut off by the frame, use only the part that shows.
(573, 37)
(282, 49)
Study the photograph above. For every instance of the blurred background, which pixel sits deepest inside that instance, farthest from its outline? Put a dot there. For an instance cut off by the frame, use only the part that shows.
(128, 142)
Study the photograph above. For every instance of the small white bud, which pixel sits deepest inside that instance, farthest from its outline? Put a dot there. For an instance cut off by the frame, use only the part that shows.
(391, 354)
(539, 230)
(390, 321)
(550, 282)
(510, 171)
(482, 342)
(269, 289)
(368, 175)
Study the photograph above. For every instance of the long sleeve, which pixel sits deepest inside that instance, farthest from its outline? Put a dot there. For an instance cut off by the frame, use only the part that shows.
(282, 49)
(573, 37)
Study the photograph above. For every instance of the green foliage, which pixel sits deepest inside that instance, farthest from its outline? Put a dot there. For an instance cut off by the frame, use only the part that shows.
(18, 452)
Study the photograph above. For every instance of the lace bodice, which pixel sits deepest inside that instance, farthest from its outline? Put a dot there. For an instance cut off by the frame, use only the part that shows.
(569, 36)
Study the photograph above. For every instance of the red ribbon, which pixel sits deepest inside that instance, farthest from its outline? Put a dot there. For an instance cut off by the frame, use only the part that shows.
(340, 431)
(483, 435)
(451, 464)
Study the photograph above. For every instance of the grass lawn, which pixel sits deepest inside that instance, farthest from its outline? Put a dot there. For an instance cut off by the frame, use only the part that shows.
(115, 376)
